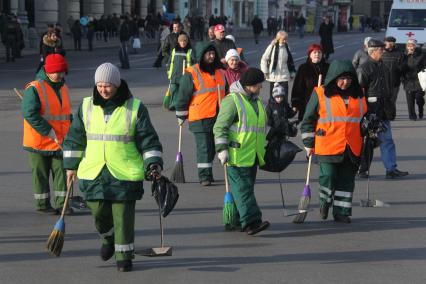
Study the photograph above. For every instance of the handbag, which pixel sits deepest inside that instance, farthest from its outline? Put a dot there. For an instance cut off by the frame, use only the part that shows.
(136, 43)
(422, 79)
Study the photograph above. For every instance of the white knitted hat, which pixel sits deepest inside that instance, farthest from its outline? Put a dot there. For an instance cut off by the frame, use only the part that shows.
(231, 53)
(278, 90)
(108, 73)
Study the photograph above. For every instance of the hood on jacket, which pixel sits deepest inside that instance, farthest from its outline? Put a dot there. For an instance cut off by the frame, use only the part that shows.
(52, 43)
(236, 87)
(201, 48)
(123, 93)
(336, 69)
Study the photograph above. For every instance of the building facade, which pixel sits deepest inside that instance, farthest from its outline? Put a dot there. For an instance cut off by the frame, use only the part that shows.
(373, 8)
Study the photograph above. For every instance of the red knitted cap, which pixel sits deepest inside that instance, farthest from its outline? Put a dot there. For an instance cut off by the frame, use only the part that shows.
(55, 63)
(314, 47)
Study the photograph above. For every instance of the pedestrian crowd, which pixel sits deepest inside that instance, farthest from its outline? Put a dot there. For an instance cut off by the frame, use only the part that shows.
(110, 145)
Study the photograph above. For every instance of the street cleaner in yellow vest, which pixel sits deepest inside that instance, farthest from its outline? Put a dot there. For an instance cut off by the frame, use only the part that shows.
(240, 139)
(200, 90)
(46, 109)
(112, 147)
(331, 129)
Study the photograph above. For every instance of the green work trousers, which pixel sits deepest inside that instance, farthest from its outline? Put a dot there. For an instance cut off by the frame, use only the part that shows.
(41, 166)
(241, 181)
(205, 155)
(115, 222)
(337, 183)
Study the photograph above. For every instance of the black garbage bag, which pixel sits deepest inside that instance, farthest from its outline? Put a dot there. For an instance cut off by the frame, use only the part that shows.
(165, 194)
(279, 154)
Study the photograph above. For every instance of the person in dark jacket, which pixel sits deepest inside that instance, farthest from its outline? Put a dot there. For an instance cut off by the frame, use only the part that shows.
(124, 39)
(9, 38)
(222, 44)
(413, 63)
(76, 35)
(361, 55)
(172, 39)
(112, 147)
(307, 79)
(90, 34)
(392, 58)
(374, 78)
(278, 113)
(257, 25)
(326, 35)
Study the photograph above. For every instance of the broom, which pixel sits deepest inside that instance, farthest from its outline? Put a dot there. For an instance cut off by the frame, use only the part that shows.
(178, 174)
(230, 212)
(305, 199)
(55, 242)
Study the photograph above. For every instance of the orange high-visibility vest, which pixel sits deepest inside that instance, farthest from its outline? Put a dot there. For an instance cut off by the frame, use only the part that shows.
(58, 115)
(338, 124)
(205, 100)
(239, 50)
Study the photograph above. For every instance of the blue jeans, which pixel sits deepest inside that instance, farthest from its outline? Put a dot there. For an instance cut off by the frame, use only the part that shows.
(387, 147)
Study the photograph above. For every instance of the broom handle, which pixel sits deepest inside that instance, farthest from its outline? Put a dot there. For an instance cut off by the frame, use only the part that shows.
(67, 196)
(319, 80)
(180, 138)
(218, 94)
(21, 97)
(225, 168)
(309, 169)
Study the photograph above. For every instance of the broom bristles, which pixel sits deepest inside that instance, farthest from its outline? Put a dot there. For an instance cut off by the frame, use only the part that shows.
(229, 214)
(178, 174)
(55, 242)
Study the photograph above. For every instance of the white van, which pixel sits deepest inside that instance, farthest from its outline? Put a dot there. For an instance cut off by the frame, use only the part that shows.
(407, 19)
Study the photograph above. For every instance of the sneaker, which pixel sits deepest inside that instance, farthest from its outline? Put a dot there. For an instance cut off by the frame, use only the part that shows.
(341, 219)
(363, 174)
(107, 251)
(395, 174)
(206, 183)
(324, 211)
(256, 227)
(124, 265)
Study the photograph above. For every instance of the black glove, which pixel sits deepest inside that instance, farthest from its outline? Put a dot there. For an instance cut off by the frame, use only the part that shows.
(153, 172)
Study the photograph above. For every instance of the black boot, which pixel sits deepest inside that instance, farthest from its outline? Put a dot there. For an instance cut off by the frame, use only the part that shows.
(395, 174)
(324, 211)
(124, 265)
(107, 251)
(341, 218)
(257, 227)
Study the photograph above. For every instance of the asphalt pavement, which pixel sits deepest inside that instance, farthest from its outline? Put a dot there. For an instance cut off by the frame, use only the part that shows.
(382, 245)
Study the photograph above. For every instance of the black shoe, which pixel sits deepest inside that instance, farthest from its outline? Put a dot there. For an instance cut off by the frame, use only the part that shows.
(69, 211)
(124, 265)
(363, 174)
(342, 219)
(395, 174)
(107, 251)
(324, 211)
(47, 210)
(256, 227)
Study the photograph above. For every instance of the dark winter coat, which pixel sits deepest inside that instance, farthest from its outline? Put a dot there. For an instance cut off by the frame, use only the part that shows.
(169, 43)
(222, 46)
(51, 47)
(393, 59)
(124, 32)
(277, 118)
(304, 83)
(360, 57)
(326, 34)
(105, 186)
(76, 30)
(412, 64)
(374, 78)
(257, 25)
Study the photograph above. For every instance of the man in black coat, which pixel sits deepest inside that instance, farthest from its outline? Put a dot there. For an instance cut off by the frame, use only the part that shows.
(10, 38)
(221, 43)
(257, 25)
(374, 79)
(392, 58)
(326, 35)
(171, 40)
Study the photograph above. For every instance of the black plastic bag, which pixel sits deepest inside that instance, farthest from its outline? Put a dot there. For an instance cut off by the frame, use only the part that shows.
(279, 154)
(165, 194)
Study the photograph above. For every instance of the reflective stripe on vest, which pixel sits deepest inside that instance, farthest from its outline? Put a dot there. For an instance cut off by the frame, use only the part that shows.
(111, 143)
(55, 111)
(338, 125)
(204, 102)
(247, 136)
(172, 61)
